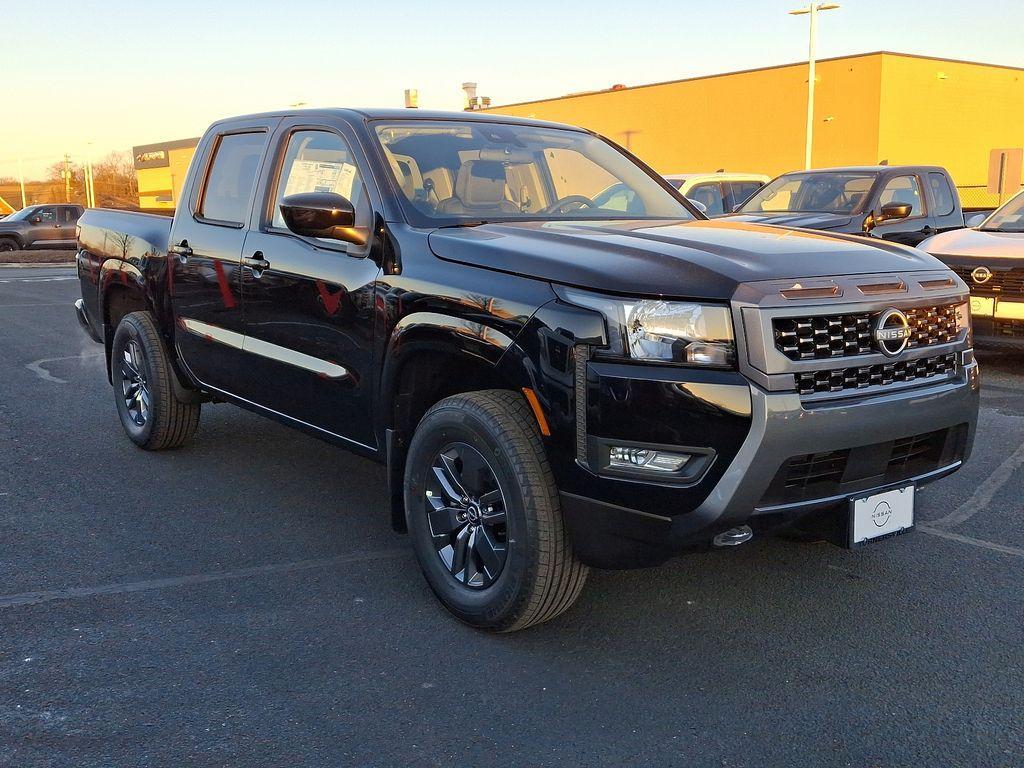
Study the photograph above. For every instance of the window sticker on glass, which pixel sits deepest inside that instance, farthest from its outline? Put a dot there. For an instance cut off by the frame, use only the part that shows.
(318, 176)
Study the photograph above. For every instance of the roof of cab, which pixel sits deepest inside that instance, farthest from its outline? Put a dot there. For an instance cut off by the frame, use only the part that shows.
(378, 113)
(870, 169)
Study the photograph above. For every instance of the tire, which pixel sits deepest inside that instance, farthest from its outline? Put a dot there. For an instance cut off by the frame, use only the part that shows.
(539, 577)
(8, 244)
(153, 417)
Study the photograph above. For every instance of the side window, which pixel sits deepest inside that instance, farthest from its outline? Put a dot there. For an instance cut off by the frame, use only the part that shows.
(942, 196)
(574, 174)
(231, 178)
(320, 161)
(903, 189)
(69, 215)
(741, 190)
(46, 215)
(710, 196)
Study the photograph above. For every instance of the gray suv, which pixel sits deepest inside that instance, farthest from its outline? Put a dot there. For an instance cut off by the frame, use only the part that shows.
(40, 226)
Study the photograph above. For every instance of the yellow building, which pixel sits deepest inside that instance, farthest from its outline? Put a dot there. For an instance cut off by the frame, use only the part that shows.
(161, 169)
(868, 108)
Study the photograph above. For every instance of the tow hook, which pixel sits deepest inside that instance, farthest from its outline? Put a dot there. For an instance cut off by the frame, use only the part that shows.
(734, 537)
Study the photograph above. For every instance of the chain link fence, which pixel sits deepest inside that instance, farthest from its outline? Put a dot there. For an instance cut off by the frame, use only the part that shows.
(977, 197)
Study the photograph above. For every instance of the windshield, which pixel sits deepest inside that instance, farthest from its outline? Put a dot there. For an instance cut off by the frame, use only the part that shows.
(462, 172)
(1009, 218)
(21, 215)
(828, 192)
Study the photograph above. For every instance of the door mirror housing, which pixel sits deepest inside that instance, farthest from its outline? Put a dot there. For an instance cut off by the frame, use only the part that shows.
(322, 214)
(37, 219)
(698, 205)
(893, 212)
(975, 219)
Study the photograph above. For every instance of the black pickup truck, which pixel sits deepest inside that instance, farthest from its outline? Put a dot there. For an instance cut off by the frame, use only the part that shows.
(552, 384)
(902, 203)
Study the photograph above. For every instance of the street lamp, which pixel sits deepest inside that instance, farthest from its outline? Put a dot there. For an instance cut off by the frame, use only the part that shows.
(812, 11)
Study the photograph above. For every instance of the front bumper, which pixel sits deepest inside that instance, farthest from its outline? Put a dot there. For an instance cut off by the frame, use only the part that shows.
(609, 533)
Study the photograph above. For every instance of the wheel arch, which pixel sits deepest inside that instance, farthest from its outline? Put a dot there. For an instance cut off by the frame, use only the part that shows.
(15, 236)
(122, 289)
(428, 357)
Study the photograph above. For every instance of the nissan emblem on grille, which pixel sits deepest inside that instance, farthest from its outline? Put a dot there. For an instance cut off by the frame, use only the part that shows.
(981, 275)
(892, 332)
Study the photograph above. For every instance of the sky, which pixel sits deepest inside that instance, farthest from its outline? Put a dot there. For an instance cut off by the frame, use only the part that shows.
(92, 77)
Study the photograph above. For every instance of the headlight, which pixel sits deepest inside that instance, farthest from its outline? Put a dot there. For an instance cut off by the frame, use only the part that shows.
(663, 331)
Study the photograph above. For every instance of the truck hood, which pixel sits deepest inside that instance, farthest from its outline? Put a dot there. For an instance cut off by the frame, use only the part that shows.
(801, 220)
(976, 242)
(694, 259)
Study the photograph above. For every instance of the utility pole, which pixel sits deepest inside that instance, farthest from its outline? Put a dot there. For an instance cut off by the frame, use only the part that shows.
(21, 180)
(67, 178)
(812, 11)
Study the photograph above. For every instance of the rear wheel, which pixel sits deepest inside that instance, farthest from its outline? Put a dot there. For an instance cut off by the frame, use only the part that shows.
(152, 416)
(482, 510)
(8, 244)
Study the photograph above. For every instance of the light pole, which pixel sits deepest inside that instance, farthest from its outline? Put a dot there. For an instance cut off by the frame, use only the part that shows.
(812, 11)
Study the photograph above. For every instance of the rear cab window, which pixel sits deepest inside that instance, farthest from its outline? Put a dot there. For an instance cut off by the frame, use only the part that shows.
(943, 202)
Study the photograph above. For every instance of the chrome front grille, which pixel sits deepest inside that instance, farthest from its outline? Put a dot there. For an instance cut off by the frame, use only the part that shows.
(842, 379)
(825, 337)
(1006, 282)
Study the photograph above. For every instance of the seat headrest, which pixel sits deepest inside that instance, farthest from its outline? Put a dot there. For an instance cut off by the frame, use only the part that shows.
(481, 182)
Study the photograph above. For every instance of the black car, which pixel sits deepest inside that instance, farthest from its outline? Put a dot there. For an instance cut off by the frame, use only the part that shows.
(552, 383)
(40, 226)
(902, 203)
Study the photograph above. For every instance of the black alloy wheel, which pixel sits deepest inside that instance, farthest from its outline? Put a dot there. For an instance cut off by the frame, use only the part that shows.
(134, 387)
(7, 245)
(465, 510)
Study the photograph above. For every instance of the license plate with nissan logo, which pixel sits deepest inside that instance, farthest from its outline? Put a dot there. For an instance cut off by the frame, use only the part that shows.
(882, 515)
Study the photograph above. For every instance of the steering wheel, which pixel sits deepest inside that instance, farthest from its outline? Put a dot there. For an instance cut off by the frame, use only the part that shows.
(562, 205)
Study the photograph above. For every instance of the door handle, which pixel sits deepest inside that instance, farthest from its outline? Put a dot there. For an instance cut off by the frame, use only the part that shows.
(181, 250)
(256, 263)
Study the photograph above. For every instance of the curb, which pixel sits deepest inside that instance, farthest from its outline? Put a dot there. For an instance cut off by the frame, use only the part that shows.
(30, 264)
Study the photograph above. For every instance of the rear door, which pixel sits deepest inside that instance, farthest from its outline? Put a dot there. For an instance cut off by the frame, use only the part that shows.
(309, 302)
(206, 247)
(943, 202)
(737, 192)
(67, 220)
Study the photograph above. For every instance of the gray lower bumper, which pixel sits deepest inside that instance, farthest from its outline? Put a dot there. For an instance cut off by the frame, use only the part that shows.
(784, 427)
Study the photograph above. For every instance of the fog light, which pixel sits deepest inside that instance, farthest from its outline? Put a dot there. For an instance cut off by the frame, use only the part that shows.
(624, 457)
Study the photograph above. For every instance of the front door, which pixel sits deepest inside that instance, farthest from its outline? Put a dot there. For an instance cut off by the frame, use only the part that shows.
(206, 248)
(917, 226)
(309, 302)
(45, 229)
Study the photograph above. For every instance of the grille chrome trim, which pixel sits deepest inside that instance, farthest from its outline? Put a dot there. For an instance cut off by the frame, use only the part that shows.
(758, 305)
(861, 377)
(824, 337)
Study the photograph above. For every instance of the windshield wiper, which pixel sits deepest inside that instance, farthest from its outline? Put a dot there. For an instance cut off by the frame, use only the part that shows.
(475, 223)
(1002, 229)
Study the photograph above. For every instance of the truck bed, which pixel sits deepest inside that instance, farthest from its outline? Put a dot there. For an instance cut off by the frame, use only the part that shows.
(109, 234)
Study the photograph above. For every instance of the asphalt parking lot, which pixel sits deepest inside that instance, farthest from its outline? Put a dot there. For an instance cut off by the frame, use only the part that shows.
(243, 602)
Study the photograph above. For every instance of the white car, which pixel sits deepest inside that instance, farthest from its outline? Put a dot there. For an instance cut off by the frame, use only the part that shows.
(989, 257)
(718, 193)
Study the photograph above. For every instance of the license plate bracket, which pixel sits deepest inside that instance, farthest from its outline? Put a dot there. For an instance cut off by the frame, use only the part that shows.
(881, 515)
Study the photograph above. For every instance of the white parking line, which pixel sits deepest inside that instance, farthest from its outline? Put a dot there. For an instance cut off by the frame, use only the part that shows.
(984, 494)
(34, 598)
(991, 545)
(36, 366)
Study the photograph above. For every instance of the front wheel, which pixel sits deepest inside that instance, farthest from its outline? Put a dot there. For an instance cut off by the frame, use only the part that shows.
(8, 244)
(151, 414)
(482, 510)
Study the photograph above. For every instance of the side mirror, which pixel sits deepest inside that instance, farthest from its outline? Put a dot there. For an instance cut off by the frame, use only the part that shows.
(37, 219)
(893, 211)
(975, 219)
(322, 214)
(698, 205)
